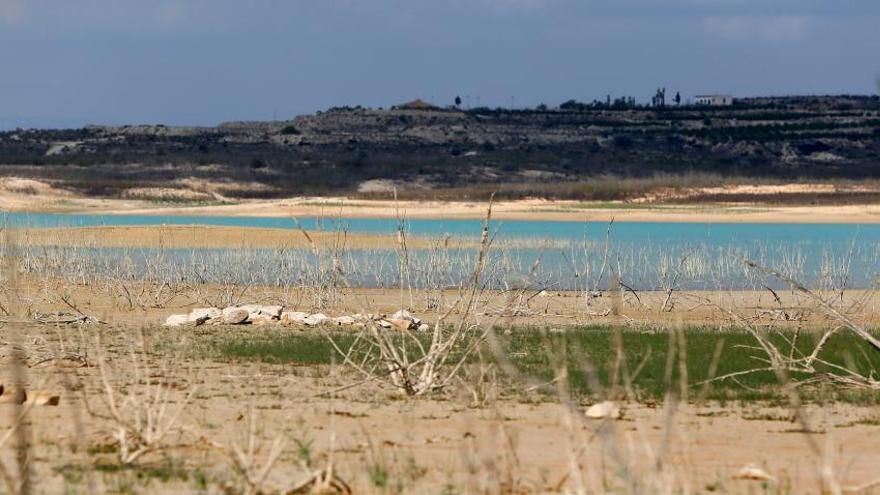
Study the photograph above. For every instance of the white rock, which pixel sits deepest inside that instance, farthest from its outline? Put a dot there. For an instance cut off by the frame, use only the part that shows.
(604, 410)
(345, 321)
(424, 327)
(291, 317)
(251, 308)
(402, 315)
(399, 324)
(204, 314)
(235, 316)
(315, 319)
(271, 311)
(753, 472)
(232, 309)
(177, 320)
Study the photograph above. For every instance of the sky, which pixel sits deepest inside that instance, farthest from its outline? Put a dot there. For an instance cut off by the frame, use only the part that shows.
(68, 63)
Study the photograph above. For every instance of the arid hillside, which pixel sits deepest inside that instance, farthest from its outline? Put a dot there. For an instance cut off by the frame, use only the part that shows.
(578, 151)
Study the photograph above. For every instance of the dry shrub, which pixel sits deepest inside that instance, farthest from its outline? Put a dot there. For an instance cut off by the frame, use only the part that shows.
(402, 360)
(139, 403)
(253, 462)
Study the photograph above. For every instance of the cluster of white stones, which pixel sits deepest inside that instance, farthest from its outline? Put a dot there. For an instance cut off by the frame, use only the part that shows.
(254, 314)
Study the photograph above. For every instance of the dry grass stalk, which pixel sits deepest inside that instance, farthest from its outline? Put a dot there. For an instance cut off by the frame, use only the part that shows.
(140, 408)
(795, 361)
(247, 461)
(20, 481)
(328, 279)
(823, 304)
(430, 368)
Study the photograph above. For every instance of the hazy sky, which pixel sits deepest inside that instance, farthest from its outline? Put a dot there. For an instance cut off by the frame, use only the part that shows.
(73, 62)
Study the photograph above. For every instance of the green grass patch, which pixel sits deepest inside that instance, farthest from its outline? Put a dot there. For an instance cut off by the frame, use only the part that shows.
(652, 359)
(284, 347)
(657, 359)
(167, 470)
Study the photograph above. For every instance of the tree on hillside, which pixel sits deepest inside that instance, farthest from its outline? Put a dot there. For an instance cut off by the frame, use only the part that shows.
(458, 101)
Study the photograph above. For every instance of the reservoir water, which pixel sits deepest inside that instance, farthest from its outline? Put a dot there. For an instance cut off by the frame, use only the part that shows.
(645, 254)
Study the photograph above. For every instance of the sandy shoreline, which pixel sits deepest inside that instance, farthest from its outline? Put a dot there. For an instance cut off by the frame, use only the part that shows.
(646, 309)
(533, 209)
(204, 236)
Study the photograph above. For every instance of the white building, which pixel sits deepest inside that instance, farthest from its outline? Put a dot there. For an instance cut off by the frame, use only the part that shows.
(714, 100)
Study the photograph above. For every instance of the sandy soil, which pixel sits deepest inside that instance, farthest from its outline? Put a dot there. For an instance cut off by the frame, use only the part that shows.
(120, 301)
(15, 195)
(524, 441)
(535, 210)
(756, 190)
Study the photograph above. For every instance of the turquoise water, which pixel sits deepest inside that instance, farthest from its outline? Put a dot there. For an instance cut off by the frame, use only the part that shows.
(716, 234)
(817, 254)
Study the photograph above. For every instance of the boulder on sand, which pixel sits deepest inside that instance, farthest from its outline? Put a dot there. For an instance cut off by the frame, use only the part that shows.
(273, 312)
(344, 321)
(604, 410)
(232, 309)
(403, 315)
(201, 315)
(252, 309)
(16, 396)
(293, 317)
(235, 316)
(43, 398)
(316, 319)
(753, 472)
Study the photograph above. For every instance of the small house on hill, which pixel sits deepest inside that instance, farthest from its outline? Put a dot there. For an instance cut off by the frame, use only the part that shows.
(417, 105)
(715, 100)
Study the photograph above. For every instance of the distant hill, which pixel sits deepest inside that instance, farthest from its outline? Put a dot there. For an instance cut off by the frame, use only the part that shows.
(428, 151)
